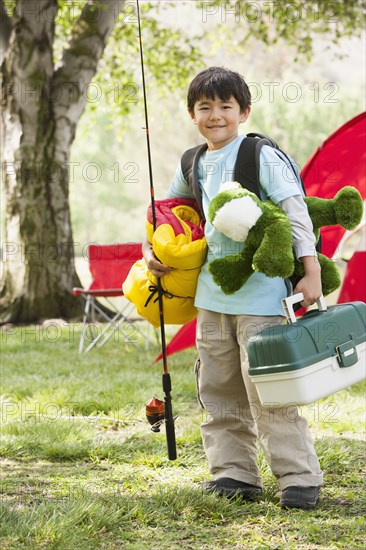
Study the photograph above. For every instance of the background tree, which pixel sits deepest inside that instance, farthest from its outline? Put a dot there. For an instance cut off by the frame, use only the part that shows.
(51, 50)
(42, 104)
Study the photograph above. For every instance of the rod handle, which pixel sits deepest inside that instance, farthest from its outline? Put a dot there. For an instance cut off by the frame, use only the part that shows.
(169, 418)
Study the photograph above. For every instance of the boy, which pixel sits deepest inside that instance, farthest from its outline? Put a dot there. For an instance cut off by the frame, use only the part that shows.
(218, 102)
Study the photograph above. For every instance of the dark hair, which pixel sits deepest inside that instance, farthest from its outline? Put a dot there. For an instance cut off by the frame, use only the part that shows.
(218, 82)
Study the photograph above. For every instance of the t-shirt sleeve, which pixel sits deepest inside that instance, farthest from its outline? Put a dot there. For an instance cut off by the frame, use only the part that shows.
(276, 178)
(179, 187)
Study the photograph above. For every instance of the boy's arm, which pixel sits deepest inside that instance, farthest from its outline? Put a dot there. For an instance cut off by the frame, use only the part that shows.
(179, 187)
(310, 285)
(304, 245)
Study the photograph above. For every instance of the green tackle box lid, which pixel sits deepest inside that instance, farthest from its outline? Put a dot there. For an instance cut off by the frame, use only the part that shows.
(316, 336)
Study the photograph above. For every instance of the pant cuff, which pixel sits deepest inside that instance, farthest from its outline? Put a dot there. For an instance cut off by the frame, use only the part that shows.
(305, 480)
(239, 475)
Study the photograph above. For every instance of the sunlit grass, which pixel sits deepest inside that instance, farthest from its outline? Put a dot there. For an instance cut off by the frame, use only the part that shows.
(82, 469)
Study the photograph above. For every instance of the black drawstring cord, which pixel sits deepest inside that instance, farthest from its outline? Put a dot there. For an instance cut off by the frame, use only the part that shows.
(154, 289)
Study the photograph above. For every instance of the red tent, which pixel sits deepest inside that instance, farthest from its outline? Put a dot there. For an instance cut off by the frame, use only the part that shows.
(185, 338)
(354, 281)
(340, 160)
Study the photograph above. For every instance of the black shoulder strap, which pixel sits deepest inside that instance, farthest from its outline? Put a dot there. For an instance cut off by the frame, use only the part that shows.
(247, 164)
(246, 172)
(189, 166)
(271, 141)
(187, 163)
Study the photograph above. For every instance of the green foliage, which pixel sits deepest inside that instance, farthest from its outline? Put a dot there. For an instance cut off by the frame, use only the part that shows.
(173, 55)
(300, 126)
(10, 6)
(296, 23)
(78, 475)
(170, 56)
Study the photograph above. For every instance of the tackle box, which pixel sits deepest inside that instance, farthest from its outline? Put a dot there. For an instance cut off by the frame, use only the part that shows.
(306, 359)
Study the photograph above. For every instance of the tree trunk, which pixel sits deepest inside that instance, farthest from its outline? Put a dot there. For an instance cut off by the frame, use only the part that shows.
(40, 116)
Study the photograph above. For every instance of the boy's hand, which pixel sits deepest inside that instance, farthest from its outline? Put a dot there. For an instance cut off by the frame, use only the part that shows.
(153, 264)
(310, 285)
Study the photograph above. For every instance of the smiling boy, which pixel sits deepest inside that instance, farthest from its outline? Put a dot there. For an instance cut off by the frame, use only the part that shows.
(218, 120)
(218, 102)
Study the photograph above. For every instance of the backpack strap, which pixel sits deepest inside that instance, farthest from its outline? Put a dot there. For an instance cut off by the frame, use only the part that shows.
(246, 166)
(189, 166)
(271, 141)
(247, 169)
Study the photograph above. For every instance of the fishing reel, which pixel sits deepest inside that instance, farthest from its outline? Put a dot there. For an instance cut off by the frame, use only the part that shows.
(155, 413)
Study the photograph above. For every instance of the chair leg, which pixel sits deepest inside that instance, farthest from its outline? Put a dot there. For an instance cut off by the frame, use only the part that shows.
(117, 327)
(150, 329)
(147, 339)
(85, 325)
(113, 325)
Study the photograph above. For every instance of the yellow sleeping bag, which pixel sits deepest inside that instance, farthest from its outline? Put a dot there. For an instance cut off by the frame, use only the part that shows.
(178, 241)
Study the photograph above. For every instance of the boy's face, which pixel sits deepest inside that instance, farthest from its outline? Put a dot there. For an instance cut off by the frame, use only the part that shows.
(218, 121)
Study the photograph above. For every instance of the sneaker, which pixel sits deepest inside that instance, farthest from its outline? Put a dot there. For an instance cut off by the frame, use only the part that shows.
(231, 488)
(300, 497)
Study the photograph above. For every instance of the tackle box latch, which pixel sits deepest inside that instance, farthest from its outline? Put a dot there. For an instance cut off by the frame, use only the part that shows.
(347, 354)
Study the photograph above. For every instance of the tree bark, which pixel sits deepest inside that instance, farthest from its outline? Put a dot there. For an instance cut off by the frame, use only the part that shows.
(41, 109)
(5, 28)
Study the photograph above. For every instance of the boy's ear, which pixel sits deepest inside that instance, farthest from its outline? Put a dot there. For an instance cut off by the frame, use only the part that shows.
(191, 114)
(244, 115)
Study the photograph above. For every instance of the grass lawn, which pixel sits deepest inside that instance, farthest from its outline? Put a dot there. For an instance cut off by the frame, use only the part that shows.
(81, 468)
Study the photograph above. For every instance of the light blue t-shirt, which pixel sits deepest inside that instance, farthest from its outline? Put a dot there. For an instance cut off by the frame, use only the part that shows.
(260, 295)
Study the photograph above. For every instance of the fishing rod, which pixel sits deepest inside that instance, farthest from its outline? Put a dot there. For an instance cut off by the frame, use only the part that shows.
(155, 408)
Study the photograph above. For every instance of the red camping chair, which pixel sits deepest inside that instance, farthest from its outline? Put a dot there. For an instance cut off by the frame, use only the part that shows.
(109, 266)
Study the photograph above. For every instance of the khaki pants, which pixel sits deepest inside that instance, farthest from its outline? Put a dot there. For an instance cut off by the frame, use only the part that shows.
(235, 417)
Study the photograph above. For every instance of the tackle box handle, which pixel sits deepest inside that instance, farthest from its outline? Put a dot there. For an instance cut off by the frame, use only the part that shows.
(288, 303)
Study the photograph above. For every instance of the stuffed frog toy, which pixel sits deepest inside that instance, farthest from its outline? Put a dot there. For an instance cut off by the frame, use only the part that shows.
(266, 232)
